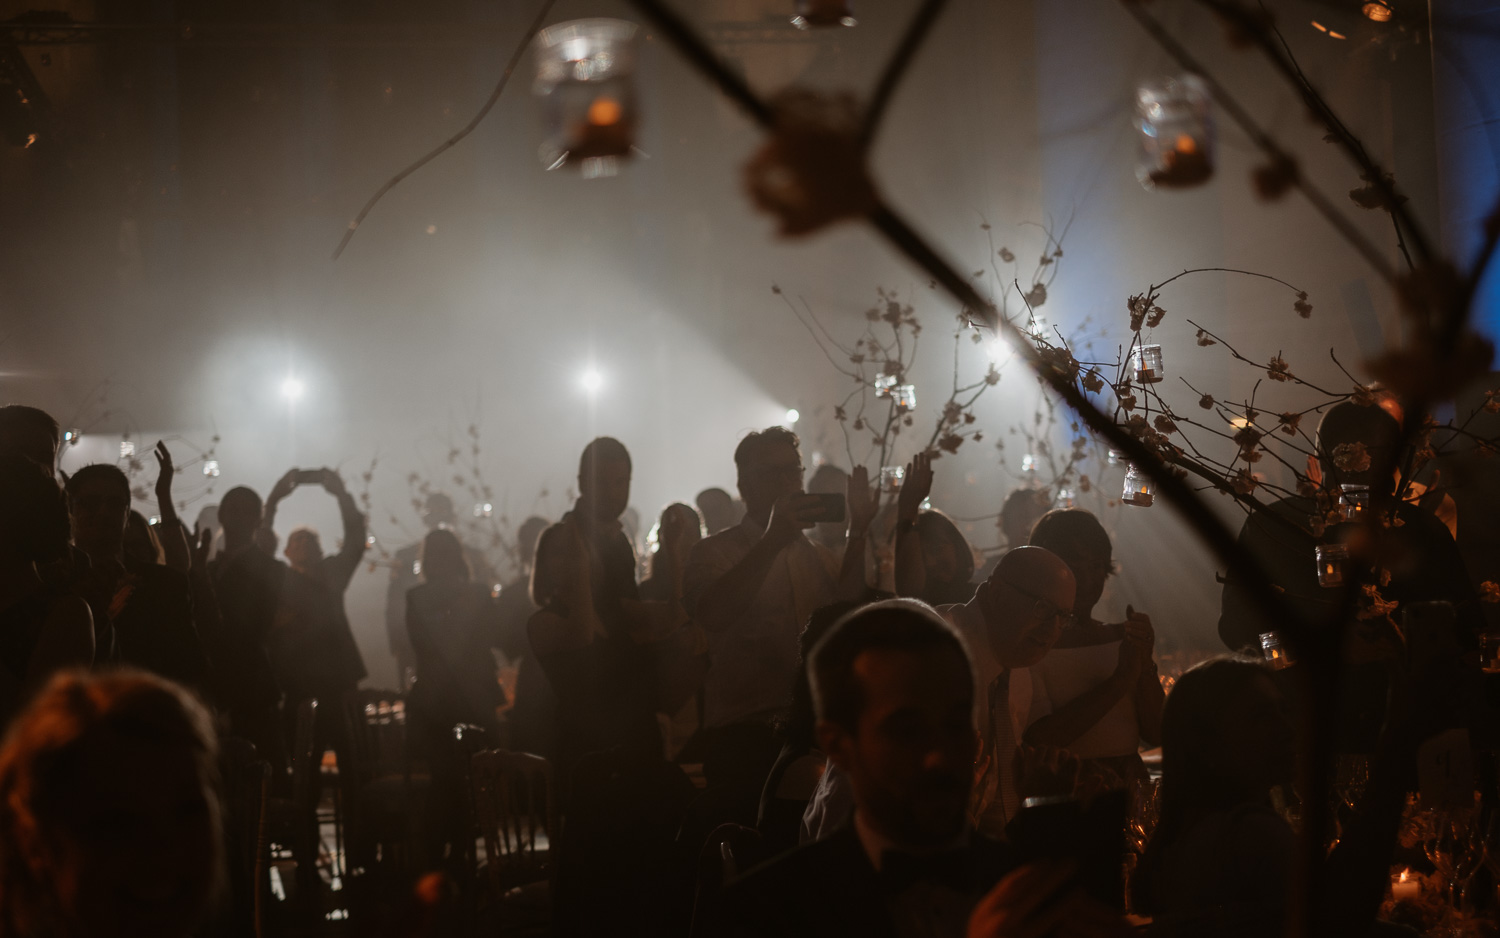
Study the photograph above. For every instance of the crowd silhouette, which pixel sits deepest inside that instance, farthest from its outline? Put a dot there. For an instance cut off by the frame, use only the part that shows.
(814, 710)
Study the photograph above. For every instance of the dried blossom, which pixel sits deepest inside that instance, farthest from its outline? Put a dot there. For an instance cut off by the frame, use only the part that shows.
(1242, 482)
(1303, 308)
(1351, 457)
(1036, 296)
(1127, 401)
(950, 442)
(1204, 339)
(1305, 487)
(1093, 382)
(857, 358)
(1289, 423)
(1489, 592)
(872, 314)
(1363, 396)
(1372, 196)
(840, 415)
(1164, 424)
(811, 171)
(1276, 370)
(1006, 255)
(1492, 402)
(1206, 402)
(992, 377)
(1373, 605)
(952, 411)
(969, 418)
(1138, 306)
(859, 423)
(1156, 316)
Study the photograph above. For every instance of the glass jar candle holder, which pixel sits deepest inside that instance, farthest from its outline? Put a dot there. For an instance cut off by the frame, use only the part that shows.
(813, 14)
(1333, 565)
(1176, 133)
(1354, 501)
(585, 76)
(1115, 457)
(884, 384)
(1273, 651)
(1146, 364)
(1064, 499)
(1028, 464)
(1139, 489)
(891, 478)
(904, 396)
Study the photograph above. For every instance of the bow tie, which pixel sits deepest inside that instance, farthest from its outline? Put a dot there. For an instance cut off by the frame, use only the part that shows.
(952, 868)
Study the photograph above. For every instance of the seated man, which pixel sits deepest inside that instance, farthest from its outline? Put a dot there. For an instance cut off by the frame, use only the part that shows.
(894, 693)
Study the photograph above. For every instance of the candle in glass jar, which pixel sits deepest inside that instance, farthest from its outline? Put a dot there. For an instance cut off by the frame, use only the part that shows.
(1405, 886)
(1148, 364)
(1332, 558)
(1139, 490)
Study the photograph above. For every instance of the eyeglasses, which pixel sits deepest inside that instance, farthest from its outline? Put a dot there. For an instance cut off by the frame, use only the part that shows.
(1046, 609)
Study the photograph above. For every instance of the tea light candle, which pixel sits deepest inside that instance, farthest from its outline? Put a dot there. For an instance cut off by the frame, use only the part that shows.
(890, 479)
(905, 397)
(1405, 886)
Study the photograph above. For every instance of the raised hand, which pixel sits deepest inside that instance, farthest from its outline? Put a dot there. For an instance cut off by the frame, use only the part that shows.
(792, 514)
(284, 486)
(332, 483)
(863, 502)
(916, 486)
(1140, 633)
(164, 473)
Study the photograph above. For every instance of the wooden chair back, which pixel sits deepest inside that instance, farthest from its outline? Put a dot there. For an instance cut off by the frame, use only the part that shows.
(376, 721)
(515, 805)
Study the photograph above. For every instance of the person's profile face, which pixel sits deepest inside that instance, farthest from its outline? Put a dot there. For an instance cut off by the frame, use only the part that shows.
(911, 757)
(99, 510)
(1024, 622)
(143, 855)
(607, 488)
(774, 470)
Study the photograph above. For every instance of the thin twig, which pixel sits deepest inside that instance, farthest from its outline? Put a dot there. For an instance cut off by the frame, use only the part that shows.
(446, 145)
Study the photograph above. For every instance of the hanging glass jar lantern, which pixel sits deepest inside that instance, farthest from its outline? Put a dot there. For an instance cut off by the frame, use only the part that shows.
(1140, 491)
(1274, 651)
(585, 75)
(1177, 134)
(884, 384)
(1354, 501)
(905, 397)
(1146, 363)
(890, 479)
(817, 13)
(1333, 564)
(1064, 499)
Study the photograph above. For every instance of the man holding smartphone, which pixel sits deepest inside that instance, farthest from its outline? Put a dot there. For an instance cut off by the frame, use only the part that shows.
(752, 588)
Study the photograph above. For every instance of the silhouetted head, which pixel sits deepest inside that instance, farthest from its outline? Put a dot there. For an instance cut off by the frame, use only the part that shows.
(769, 465)
(1075, 535)
(946, 554)
(1354, 442)
(1021, 510)
(32, 432)
(1026, 602)
(604, 479)
(34, 523)
(99, 502)
(894, 695)
(437, 511)
(109, 818)
(239, 515)
(526, 537)
(443, 558)
(718, 510)
(304, 549)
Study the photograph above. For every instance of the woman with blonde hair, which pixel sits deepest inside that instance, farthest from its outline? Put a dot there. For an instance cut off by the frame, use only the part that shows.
(109, 814)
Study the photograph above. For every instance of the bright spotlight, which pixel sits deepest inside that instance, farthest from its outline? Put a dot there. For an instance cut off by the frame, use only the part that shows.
(998, 350)
(592, 380)
(292, 389)
(792, 416)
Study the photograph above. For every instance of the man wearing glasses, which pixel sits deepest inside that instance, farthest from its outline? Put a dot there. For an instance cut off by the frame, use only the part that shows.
(1010, 624)
(752, 588)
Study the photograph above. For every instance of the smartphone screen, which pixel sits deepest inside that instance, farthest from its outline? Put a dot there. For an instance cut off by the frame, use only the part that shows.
(309, 476)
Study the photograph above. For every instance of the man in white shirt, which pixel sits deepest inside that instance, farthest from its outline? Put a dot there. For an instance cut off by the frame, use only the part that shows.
(752, 587)
(1011, 623)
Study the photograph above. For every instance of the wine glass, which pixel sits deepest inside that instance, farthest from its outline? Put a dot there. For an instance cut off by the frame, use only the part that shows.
(1455, 845)
(1145, 808)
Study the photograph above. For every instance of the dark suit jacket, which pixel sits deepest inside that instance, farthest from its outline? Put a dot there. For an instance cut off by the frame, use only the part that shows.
(829, 888)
